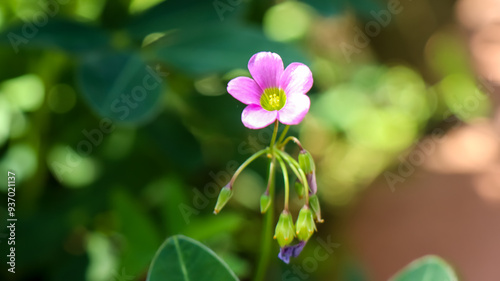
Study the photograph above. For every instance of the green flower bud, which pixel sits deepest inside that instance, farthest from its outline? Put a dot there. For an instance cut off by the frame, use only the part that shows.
(224, 196)
(265, 202)
(305, 224)
(314, 203)
(306, 162)
(285, 230)
(299, 188)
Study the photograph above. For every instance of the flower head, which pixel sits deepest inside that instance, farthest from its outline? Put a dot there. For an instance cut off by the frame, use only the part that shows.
(274, 92)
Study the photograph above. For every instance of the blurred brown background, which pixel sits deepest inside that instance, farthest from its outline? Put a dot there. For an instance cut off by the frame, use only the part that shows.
(447, 200)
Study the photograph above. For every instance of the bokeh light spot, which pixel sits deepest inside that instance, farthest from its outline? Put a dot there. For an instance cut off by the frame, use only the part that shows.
(102, 262)
(26, 92)
(5, 119)
(287, 21)
(71, 169)
(22, 160)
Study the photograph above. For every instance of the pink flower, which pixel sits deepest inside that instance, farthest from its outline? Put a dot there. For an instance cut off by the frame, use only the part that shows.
(274, 92)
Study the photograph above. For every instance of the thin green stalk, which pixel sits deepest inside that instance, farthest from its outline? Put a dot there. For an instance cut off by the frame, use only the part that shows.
(285, 179)
(292, 162)
(294, 169)
(271, 176)
(273, 139)
(245, 164)
(291, 138)
(267, 233)
(283, 134)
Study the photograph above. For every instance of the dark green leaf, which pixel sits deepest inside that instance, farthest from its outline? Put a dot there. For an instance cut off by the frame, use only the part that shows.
(183, 259)
(218, 48)
(428, 268)
(58, 33)
(141, 236)
(174, 14)
(181, 148)
(120, 86)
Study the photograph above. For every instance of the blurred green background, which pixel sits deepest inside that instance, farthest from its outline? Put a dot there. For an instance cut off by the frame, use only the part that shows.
(115, 117)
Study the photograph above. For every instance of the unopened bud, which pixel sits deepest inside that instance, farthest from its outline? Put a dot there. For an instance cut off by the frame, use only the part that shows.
(224, 196)
(305, 224)
(314, 204)
(285, 230)
(265, 202)
(306, 162)
(299, 188)
(311, 181)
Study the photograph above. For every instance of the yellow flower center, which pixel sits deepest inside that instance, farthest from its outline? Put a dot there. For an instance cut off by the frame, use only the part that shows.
(273, 99)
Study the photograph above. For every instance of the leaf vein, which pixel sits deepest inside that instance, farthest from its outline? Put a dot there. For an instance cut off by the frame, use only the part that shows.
(181, 259)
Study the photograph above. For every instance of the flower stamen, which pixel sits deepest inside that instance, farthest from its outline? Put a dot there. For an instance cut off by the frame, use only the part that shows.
(273, 99)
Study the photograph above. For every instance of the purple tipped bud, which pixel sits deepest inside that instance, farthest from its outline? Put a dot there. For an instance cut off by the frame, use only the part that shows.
(311, 181)
(306, 162)
(293, 251)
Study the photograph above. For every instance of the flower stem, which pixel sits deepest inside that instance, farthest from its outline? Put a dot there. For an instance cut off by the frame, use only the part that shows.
(267, 233)
(294, 165)
(285, 179)
(291, 138)
(245, 164)
(294, 169)
(283, 134)
(273, 139)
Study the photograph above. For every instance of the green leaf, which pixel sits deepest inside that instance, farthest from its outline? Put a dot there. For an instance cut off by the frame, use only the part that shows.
(120, 86)
(141, 236)
(428, 268)
(64, 34)
(206, 227)
(182, 258)
(181, 148)
(173, 14)
(218, 48)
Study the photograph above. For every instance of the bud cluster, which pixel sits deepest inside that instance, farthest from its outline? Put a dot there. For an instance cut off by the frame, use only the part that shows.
(286, 229)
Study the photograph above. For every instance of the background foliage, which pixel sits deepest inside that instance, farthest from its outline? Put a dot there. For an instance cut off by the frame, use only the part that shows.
(102, 181)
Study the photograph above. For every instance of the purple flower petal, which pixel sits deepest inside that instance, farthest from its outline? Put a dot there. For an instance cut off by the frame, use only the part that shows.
(295, 109)
(245, 90)
(297, 79)
(293, 251)
(256, 117)
(266, 69)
